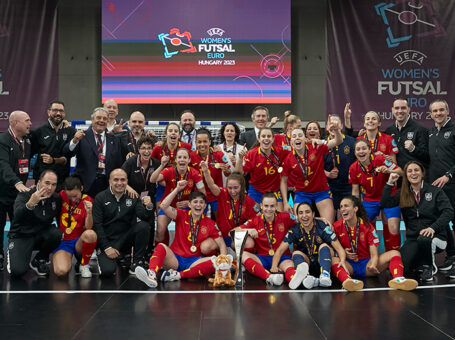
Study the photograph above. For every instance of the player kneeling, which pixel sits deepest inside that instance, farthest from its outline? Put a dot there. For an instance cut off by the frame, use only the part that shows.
(312, 254)
(358, 238)
(183, 257)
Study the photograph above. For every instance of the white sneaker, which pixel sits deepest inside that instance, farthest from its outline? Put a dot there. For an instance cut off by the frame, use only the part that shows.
(324, 279)
(403, 283)
(148, 277)
(170, 275)
(300, 274)
(85, 271)
(352, 285)
(310, 282)
(275, 280)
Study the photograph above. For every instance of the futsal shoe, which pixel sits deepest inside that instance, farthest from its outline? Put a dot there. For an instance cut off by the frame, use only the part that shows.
(40, 267)
(402, 283)
(300, 273)
(427, 274)
(275, 280)
(137, 264)
(324, 279)
(310, 282)
(352, 285)
(148, 277)
(447, 264)
(85, 271)
(170, 275)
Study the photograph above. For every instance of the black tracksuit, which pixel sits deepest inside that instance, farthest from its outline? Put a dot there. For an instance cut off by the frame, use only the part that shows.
(418, 135)
(10, 154)
(119, 224)
(442, 162)
(434, 210)
(33, 229)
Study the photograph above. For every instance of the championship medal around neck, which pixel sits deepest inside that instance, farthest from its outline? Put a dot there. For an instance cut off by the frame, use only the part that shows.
(280, 169)
(193, 248)
(68, 230)
(271, 252)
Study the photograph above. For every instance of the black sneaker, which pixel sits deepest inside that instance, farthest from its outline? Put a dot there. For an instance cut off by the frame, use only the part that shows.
(447, 264)
(427, 274)
(141, 264)
(451, 272)
(40, 267)
(1, 262)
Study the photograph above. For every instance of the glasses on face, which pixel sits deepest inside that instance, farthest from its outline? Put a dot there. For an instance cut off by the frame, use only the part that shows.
(145, 149)
(57, 110)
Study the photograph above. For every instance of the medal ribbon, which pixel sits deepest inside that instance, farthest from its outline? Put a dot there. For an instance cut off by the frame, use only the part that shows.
(70, 214)
(194, 233)
(357, 231)
(306, 239)
(234, 148)
(266, 229)
(303, 167)
(274, 156)
(177, 178)
(236, 216)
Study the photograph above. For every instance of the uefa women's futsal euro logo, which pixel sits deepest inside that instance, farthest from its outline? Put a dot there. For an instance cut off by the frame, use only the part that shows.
(175, 42)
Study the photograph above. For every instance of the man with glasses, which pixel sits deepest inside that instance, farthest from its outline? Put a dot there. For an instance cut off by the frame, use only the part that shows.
(48, 141)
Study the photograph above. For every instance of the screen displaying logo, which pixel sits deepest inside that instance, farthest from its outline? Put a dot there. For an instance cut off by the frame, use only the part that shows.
(175, 42)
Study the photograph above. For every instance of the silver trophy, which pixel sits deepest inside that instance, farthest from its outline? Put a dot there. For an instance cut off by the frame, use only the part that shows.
(239, 239)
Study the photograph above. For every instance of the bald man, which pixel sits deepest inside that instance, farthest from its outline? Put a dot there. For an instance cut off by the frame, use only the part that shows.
(15, 151)
(136, 126)
(113, 215)
(112, 108)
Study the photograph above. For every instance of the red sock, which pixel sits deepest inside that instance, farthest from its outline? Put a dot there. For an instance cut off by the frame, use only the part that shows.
(394, 241)
(202, 269)
(396, 266)
(386, 236)
(289, 273)
(157, 259)
(256, 269)
(250, 250)
(340, 273)
(87, 250)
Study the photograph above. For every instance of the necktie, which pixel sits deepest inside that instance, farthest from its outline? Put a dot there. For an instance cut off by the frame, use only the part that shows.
(188, 137)
(99, 143)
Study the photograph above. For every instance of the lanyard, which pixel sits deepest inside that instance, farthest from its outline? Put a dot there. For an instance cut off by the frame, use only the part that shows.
(354, 246)
(269, 236)
(177, 178)
(194, 233)
(210, 157)
(376, 140)
(145, 173)
(307, 237)
(236, 216)
(70, 214)
(20, 143)
(277, 165)
(304, 166)
(133, 143)
(366, 171)
(288, 141)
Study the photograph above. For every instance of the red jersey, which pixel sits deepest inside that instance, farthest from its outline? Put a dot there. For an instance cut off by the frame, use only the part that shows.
(78, 215)
(366, 237)
(277, 231)
(169, 176)
(284, 141)
(182, 240)
(264, 174)
(316, 180)
(371, 182)
(383, 143)
(158, 152)
(225, 217)
(217, 174)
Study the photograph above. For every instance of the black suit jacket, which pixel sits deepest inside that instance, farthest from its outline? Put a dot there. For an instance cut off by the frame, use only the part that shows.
(249, 137)
(87, 156)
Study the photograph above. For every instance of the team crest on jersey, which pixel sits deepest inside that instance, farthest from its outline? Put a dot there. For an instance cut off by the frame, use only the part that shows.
(54, 205)
(347, 150)
(129, 202)
(65, 136)
(281, 227)
(312, 157)
(447, 134)
(319, 239)
(410, 135)
(362, 237)
(11, 245)
(428, 196)
(190, 183)
(28, 141)
(204, 230)
(382, 147)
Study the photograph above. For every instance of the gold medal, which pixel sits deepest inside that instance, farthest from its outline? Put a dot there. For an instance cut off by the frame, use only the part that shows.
(68, 230)
(306, 183)
(218, 165)
(280, 169)
(193, 248)
(271, 252)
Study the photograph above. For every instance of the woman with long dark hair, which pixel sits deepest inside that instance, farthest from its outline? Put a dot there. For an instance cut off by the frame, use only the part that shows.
(230, 135)
(426, 213)
(360, 241)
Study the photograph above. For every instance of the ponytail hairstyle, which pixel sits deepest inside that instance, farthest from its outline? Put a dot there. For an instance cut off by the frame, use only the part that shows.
(289, 119)
(361, 212)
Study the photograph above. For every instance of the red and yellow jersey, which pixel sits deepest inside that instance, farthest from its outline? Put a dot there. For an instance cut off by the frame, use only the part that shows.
(316, 180)
(217, 174)
(159, 151)
(385, 144)
(169, 177)
(371, 182)
(74, 229)
(264, 174)
(277, 231)
(225, 217)
(183, 242)
(367, 237)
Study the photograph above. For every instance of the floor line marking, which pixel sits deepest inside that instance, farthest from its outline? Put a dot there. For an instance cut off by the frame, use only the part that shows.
(440, 330)
(271, 291)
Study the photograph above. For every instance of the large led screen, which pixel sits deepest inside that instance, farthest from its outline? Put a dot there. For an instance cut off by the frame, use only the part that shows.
(215, 51)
